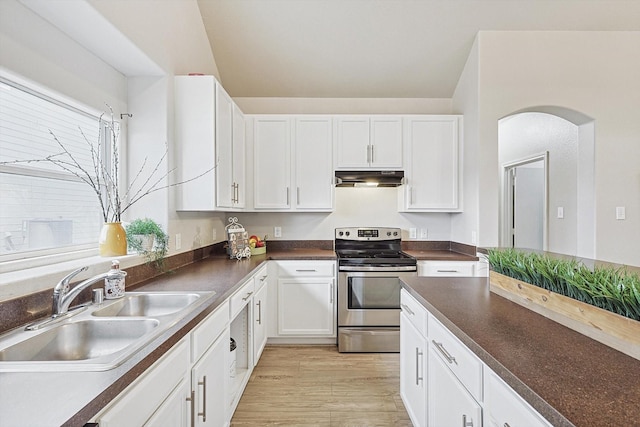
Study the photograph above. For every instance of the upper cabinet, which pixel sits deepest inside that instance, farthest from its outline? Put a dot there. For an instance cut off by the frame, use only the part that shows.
(368, 142)
(432, 169)
(293, 163)
(209, 129)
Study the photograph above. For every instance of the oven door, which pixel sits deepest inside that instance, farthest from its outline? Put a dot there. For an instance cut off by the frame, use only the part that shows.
(369, 298)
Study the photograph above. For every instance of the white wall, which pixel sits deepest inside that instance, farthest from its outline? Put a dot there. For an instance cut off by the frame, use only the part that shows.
(465, 226)
(527, 135)
(595, 73)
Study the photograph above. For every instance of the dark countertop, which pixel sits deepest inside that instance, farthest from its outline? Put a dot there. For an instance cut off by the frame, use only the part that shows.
(440, 255)
(567, 377)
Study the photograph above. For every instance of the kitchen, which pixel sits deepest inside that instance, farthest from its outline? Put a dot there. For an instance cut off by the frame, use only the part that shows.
(51, 58)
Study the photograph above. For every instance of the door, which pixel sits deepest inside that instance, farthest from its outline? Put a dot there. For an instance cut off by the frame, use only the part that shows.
(209, 381)
(239, 143)
(305, 306)
(260, 322)
(526, 204)
(413, 364)
(352, 142)
(386, 142)
(224, 149)
(176, 410)
(314, 163)
(272, 163)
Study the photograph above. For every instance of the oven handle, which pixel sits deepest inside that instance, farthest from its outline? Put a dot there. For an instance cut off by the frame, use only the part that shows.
(379, 269)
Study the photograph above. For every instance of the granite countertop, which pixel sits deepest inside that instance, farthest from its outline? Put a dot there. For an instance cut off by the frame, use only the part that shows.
(567, 377)
(86, 393)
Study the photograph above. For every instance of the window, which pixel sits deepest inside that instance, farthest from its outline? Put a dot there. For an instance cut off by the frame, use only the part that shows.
(44, 208)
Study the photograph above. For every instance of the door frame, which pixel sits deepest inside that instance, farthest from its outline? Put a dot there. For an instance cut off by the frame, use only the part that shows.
(506, 227)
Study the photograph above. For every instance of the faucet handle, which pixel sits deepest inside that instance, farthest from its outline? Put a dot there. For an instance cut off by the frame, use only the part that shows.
(63, 285)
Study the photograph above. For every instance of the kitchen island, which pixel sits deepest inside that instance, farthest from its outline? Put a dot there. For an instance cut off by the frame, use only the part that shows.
(565, 376)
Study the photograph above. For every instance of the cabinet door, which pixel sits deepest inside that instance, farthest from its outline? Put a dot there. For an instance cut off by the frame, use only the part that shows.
(413, 371)
(447, 268)
(386, 142)
(259, 323)
(209, 381)
(176, 410)
(239, 143)
(305, 306)
(195, 134)
(352, 142)
(431, 165)
(224, 147)
(449, 403)
(314, 168)
(272, 163)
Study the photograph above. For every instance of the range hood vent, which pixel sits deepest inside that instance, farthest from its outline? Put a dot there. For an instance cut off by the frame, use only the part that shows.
(369, 178)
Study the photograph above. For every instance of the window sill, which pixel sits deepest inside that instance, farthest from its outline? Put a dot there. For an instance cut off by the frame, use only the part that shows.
(31, 279)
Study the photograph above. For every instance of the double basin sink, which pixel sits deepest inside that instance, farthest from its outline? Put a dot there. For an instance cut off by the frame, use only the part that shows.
(99, 337)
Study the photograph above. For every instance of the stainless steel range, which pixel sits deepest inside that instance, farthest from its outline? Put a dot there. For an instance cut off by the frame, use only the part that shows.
(370, 265)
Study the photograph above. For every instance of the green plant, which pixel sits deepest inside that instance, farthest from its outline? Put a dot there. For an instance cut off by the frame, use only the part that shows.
(147, 226)
(613, 289)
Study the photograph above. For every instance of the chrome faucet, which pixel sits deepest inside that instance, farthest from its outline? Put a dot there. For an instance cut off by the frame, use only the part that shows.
(62, 295)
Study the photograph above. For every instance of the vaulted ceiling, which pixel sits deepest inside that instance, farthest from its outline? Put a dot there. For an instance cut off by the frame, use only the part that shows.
(376, 48)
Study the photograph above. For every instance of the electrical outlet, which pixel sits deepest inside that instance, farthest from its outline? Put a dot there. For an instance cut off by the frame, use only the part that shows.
(560, 212)
(214, 234)
(620, 212)
(178, 241)
(423, 233)
(413, 233)
(277, 231)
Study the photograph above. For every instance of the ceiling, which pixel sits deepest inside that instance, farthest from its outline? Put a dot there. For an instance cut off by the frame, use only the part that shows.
(376, 48)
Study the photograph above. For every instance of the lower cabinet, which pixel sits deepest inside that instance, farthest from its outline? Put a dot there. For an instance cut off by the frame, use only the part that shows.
(413, 371)
(450, 404)
(450, 385)
(305, 301)
(175, 411)
(209, 382)
(448, 268)
(260, 309)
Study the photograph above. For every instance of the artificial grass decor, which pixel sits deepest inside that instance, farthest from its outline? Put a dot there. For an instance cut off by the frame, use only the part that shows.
(612, 289)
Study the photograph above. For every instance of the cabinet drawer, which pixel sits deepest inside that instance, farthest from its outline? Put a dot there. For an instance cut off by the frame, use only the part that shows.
(306, 269)
(503, 406)
(260, 278)
(463, 363)
(208, 330)
(241, 298)
(414, 312)
(446, 268)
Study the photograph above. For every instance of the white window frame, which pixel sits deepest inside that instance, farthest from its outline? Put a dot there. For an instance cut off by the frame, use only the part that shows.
(42, 257)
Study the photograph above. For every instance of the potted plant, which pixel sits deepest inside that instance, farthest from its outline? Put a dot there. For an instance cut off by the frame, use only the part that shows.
(146, 237)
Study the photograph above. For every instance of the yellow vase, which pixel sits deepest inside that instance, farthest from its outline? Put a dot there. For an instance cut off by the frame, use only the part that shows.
(113, 240)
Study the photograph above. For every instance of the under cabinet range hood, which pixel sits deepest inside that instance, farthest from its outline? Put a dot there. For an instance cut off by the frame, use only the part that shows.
(369, 178)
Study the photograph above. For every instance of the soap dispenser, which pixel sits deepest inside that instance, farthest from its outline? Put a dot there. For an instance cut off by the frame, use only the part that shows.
(114, 282)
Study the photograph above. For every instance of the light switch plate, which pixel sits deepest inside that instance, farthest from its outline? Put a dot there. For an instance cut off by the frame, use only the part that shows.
(277, 231)
(178, 241)
(560, 212)
(620, 212)
(413, 233)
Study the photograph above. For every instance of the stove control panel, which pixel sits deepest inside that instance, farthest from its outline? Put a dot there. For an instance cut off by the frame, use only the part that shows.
(368, 233)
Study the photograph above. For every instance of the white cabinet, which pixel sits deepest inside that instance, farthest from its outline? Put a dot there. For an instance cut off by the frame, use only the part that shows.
(241, 331)
(413, 363)
(293, 163)
(209, 384)
(306, 294)
(450, 404)
(175, 411)
(260, 310)
(432, 166)
(503, 407)
(313, 163)
(151, 393)
(209, 130)
(447, 268)
(368, 142)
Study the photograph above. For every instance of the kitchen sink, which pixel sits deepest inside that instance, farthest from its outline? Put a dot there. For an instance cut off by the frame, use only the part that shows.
(86, 339)
(148, 304)
(99, 338)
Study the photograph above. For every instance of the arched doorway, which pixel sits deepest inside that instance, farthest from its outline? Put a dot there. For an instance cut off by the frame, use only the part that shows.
(552, 149)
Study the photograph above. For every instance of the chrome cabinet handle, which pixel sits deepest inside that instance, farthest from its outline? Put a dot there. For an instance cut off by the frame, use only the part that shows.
(407, 309)
(444, 352)
(331, 294)
(259, 312)
(311, 270)
(247, 296)
(298, 196)
(506, 425)
(203, 383)
(372, 157)
(447, 271)
(287, 196)
(368, 154)
(419, 354)
(192, 399)
(263, 278)
(466, 423)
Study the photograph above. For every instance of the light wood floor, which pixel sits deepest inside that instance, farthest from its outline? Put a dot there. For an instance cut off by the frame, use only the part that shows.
(317, 386)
